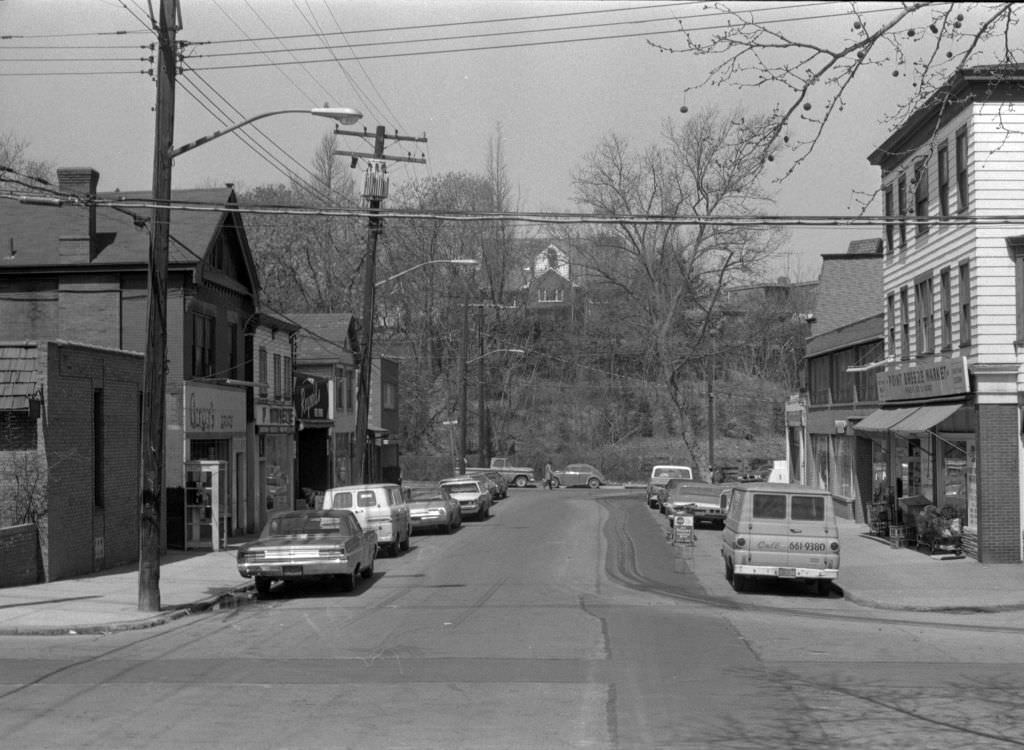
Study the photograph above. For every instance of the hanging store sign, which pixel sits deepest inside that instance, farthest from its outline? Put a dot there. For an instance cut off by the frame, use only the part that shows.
(945, 377)
(213, 409)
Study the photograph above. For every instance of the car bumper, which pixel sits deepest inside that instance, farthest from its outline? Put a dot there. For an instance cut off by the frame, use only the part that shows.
(428, 521)
(296, 569)
(777, 571)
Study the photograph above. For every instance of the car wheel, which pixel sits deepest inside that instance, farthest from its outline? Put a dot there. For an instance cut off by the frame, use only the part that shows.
(728, 570)
(555, 484)
(593, 483)
(346, 582)
(262, 585)
(520, 482)
(405, 543)
(449, 527)
(367, 572)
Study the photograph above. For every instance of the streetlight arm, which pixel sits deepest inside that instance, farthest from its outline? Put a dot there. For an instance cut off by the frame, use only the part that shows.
(453, 261)
(344, 115)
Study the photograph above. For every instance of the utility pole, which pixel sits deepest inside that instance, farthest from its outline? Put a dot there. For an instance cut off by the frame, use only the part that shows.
(375, 190)
(154, 388)
(463, 390)
(481, 406)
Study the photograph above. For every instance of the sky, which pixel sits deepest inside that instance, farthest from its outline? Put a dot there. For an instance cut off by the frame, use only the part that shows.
(75, 86)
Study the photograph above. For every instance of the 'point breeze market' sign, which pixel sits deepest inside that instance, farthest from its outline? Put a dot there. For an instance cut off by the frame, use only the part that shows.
(947, 377)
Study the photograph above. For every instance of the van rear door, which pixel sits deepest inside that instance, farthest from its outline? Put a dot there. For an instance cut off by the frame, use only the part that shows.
(768, 530)
(812, 529)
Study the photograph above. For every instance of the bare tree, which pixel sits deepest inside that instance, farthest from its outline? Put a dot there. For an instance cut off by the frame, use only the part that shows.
(670, 278)
(308, 263)
(922, 41)
(14, 159)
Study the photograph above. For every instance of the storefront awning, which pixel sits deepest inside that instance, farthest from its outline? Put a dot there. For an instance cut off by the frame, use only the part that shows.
(925, 418)
(883, 420)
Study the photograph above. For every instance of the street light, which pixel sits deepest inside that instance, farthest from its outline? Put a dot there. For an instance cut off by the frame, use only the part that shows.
(152, 448)
(453, 261)
(343, 115)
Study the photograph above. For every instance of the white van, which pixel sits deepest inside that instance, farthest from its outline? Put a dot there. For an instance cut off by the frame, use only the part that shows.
(381, 507)
(777, 530)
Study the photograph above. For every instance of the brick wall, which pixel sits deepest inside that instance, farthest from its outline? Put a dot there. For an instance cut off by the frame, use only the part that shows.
(998, 487)
(19, 556)
(88, 533)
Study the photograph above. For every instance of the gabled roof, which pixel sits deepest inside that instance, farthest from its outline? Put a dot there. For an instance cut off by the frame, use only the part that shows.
(30, 234)
(324, 337)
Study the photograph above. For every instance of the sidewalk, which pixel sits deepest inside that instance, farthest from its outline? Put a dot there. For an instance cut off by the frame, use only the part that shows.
(871, 574)
(108, 601)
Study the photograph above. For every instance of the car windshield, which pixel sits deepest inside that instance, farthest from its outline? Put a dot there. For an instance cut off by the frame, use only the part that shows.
(462, 487)
(305, 523)
(673, 473)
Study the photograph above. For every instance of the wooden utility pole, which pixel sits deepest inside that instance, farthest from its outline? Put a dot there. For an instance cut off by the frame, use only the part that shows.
(376, 197)
(154, 388)
(375, 190)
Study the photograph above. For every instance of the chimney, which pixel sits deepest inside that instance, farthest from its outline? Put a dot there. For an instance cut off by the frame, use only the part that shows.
(79, 244)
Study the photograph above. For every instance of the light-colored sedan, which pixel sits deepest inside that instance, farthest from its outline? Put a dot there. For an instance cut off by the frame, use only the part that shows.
(472, 494)
(432, 508)
(578, 475)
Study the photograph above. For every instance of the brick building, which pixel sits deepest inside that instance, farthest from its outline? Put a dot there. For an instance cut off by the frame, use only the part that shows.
(70, 416)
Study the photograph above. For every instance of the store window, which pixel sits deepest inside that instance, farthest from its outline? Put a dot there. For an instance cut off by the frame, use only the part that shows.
(958, 476)
(818, 472)
(842, 470)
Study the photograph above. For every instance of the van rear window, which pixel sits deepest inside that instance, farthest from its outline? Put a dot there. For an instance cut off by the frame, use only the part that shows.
(769, 506)
(341, 500)
(808, 508)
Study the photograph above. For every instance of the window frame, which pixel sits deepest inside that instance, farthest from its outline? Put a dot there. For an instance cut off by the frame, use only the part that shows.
(942, 159)
(921, 197)
(890, 226)
(964, 302)
(924, 314)
(904, 323)
(961, 170)
(946, 310)
(204, 345)
(901, 200)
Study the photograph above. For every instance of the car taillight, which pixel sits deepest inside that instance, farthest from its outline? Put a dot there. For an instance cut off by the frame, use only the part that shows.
(741, 542)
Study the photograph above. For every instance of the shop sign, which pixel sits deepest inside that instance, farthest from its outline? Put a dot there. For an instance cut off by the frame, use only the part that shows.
(312, 399)
(275, 418)
(212, 409)
(946, 377)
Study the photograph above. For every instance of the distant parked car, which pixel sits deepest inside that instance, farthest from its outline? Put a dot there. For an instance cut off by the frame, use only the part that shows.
(472, 494)
(659, 478)
(431, 507)
(499, 479)
(492, 486)
(305, 544)
(578, 475)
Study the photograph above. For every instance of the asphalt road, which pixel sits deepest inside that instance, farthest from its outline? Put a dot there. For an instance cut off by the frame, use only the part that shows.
(564, 621)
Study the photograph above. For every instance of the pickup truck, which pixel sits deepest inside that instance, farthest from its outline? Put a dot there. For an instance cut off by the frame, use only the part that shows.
(305, 544)
(519, 476)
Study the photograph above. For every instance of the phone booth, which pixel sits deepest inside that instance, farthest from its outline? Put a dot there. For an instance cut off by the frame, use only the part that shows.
(207, 511)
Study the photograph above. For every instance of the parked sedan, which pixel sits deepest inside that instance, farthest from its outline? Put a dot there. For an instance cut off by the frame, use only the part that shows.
(431, 507)
(472, 495)
(578, 475)
(306, 544)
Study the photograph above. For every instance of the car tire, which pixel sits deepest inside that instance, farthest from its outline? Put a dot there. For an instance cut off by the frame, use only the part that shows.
(347, 582)
(520, 481)
(593, 483)
(367, 572)
(728, 570)
(405, 543)
(555, 484)
(449, 527)
(262, 585)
